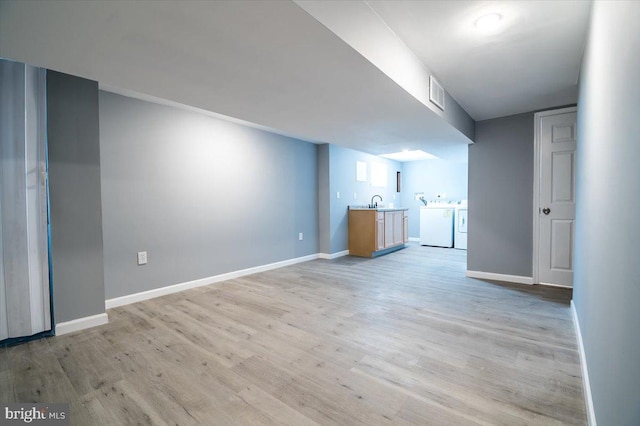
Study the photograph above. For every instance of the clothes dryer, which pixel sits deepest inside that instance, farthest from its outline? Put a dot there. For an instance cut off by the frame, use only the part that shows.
(460, 237)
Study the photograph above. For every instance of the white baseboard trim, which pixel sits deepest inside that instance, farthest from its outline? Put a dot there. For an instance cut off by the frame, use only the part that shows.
(591, 414)
(416, 239)
(556, 285)
(333, 255)
(81, 324)
(175, 288)
(500, 277)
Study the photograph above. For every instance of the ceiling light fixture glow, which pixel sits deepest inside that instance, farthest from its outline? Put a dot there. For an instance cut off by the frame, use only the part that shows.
(407, 155)
(488, 22)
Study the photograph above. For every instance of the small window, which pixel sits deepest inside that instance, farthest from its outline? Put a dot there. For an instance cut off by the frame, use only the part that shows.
(379, 175)
(361, 171)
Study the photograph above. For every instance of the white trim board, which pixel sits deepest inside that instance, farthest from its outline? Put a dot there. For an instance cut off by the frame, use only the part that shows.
(500, 277)
(175, 288)
(81, 324)
(333, 255)
(416, 239)
(556, 285)
(591, 414)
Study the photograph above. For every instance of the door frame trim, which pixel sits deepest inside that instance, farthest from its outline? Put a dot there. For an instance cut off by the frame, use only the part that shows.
(536, 184)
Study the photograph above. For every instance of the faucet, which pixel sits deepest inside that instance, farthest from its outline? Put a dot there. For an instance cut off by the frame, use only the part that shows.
(372, 205)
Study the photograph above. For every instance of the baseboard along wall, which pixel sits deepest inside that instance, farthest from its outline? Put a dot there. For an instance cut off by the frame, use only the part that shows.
(591, 414)
(78, 324)
(500, 277)
(333, 255)
(100, 319)
(175, 288)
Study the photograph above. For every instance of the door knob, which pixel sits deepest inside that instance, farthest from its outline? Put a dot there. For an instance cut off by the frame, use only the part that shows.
(546, 210)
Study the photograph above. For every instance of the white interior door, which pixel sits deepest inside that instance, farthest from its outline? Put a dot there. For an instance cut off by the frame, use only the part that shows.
(557, 203)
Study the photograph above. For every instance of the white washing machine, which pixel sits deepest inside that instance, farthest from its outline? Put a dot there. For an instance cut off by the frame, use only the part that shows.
(462, 216)
(436, 224)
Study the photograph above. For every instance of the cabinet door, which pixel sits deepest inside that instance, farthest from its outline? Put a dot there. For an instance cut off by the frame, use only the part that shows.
(405, 230)
(398, 222)
(388, 229)
(380, 234)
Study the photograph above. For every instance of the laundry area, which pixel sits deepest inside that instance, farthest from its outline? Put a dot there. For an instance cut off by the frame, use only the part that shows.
(436, 192)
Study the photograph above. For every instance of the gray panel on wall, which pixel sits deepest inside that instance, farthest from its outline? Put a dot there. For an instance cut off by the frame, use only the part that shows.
(606, 281)
(458, 116)
(75, 201)
(500, 238)
(324, 199)
(202, 196)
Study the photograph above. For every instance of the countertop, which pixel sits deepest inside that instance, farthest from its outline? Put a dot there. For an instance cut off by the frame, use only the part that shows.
(379, 209)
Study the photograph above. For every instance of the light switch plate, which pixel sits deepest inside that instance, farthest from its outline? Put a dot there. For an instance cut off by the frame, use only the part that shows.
(337, 194)
(300, 236)
(142, 258)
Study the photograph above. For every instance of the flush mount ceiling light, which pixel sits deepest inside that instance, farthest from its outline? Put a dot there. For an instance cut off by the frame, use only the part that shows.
(489, 22)
(407, 155)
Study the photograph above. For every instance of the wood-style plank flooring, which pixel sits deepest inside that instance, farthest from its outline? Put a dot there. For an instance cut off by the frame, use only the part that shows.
(402, 339)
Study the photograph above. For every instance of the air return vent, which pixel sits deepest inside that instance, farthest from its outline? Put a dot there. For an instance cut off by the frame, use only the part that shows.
(436, 93)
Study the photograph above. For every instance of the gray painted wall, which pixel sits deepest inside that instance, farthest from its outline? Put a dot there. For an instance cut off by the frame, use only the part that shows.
(431, 177)
(201, 195)
(324, 208)
(456, 116)
(606, 283)
(500, 238)
(342, 175)
(74, 191)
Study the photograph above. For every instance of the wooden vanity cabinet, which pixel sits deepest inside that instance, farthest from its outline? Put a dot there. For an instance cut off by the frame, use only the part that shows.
(373, 232)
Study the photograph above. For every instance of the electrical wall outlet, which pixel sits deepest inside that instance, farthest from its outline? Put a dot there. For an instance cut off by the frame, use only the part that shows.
(338, 194)
(355, 196)
(300, 236)
(142, 258)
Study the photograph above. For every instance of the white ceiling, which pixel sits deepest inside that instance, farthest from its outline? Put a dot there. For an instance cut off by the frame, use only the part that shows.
(272, 64)
(532, 64)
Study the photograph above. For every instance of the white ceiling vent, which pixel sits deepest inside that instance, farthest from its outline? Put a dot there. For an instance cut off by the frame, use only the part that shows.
(436, 93)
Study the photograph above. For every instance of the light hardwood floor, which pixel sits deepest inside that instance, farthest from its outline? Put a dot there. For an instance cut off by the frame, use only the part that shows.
(402, 339)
